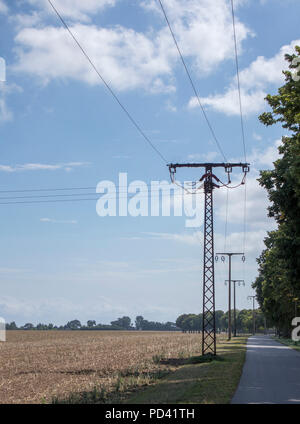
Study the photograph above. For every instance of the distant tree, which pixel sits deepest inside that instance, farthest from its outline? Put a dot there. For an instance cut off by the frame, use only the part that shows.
(91, 323)
(189, 322)
(244, 321)
(139, 322)
(28, 326)
(218, 317)
(124, 323)
(170, 326)
(11, 326)
(180, 321)
(41, 326)
(73, 325)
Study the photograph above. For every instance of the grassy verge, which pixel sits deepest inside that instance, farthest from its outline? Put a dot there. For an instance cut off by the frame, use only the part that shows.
(288, 342)
(198, 381)
(125, 386)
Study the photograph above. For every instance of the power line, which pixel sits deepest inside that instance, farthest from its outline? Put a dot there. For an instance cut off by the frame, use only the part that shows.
(68, 195)
(238, 80)
(245, 226)
(242, 123)
(80, 200)
(29, 190)
(245, 216)
(107, 85)
(45, 201)
(119, 189)
(226, 219)
(56, 189)
(46, 189)
(127, 188)
(85, 194)
(191, 81)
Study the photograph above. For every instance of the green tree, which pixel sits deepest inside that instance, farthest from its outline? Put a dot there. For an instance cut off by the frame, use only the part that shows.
(124, 323)
(28, 326)
(11, 326)
(278, 282)
(180, 321)
(73, 325)
(218, 318)
(139, 322)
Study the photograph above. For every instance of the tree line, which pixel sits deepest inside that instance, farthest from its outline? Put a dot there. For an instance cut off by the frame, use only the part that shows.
(185, 322)
(278, 283)
(244, 321)
(123, 323)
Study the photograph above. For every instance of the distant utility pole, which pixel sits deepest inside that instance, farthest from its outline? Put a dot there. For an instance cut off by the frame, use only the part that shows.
(234, 301)
(229, 254)
(209, 323)
(253, 297)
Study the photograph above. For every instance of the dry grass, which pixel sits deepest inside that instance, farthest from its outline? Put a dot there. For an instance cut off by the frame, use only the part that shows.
(36, 366)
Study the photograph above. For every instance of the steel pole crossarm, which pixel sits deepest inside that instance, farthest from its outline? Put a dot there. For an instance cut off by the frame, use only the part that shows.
(229, 254)
(209, 165)
(236, 281)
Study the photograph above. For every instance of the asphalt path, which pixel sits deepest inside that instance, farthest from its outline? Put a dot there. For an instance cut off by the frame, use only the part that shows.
(271, 373)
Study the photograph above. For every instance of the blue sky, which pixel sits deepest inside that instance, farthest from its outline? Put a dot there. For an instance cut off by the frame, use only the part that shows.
(60, 127)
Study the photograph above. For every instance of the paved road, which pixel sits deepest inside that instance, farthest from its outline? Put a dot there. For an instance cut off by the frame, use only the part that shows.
(271, 373)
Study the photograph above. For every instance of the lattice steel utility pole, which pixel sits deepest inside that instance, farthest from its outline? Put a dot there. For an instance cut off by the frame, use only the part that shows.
(229, 254)
(209, 324)
(234, 302)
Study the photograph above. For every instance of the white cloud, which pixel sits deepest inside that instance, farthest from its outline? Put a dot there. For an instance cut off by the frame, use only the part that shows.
(125, 58)
(203, 29)
(121, 157)
(254, 239)
(265, 157)
(207, 157)
(186, 238)
(3, 7)
(255, 79)
(128, 59)
(257, 136)
(75, 9)
(13, 270)
(5, 113)
(257, 199)
(256, 204)
(42, 167)
(55, 221)
(26, 20)
(35, 310)
(228, 103)
(170, 106)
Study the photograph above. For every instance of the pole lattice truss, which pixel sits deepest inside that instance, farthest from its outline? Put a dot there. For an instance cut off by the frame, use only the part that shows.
(208, 326)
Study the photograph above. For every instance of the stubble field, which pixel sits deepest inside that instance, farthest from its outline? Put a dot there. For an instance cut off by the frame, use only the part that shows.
(39, 366)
